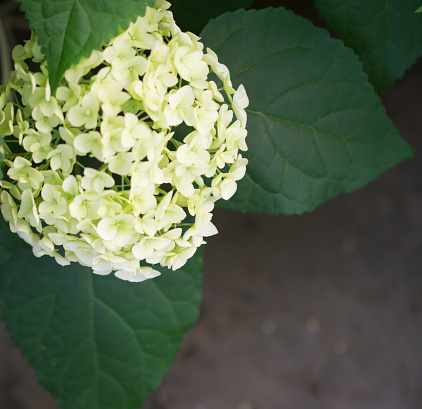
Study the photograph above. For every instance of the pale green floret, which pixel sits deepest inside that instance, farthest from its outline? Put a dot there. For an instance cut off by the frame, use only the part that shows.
(21, 127)
(69, 95)
(189, 62)
(98, 173)
(180, 107)
(89, 143)
(85, 207)
(121, 163)
(35, 137)
(9, 209)
(84, 114)
(70, 186)
(95, 180)
(112, 99)
(240, 102)
(119, 50)
(118, 229)
(143, 199)
(6, 120)
(43, 247)
(162, 79)
(132, 131)
(53, 201)
(62, 158)
(28, 209)
(148, 246)
(26, 176)
(137, 35)
(129, 70)
(109, 208)
(206, 116)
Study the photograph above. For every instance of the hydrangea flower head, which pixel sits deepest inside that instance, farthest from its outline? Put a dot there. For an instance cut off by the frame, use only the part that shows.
(120, 169)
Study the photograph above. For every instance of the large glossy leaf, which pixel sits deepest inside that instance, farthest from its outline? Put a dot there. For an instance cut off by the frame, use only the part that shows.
(95, 342)
(71, 29)
(386, 34)
(193, 15)
(316, 127)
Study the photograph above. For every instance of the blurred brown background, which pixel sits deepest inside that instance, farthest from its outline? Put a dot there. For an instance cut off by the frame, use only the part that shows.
(318, 311)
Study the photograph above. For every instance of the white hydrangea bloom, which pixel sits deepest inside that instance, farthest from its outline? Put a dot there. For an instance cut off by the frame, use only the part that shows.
(102, 173)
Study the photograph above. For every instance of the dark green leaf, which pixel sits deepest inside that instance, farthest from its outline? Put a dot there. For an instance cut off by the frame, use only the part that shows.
(193, 15)
(9, 243)
(96, 342)
(316, 127)
(386, 34)
(70, 29)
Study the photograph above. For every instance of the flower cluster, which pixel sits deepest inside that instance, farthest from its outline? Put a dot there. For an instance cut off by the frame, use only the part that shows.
(120, 169)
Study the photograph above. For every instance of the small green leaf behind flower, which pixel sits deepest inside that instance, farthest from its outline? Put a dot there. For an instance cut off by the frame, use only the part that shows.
(386, 35)
(69, 30)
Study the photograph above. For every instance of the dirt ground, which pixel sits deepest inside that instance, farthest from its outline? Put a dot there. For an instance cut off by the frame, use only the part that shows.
(318, 311)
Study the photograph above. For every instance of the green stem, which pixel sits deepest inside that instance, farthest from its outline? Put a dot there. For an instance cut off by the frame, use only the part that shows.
(16, 99)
